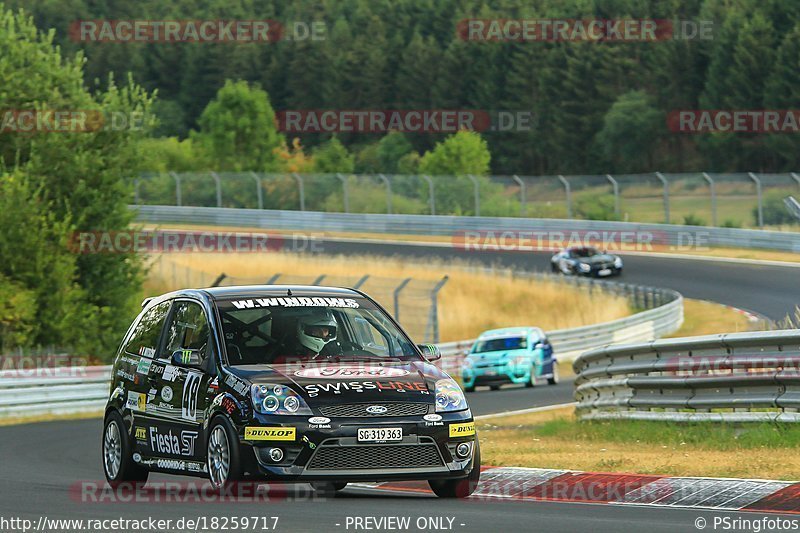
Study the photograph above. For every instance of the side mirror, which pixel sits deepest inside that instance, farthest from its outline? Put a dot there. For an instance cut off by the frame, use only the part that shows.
(190, 358)
(430, 352)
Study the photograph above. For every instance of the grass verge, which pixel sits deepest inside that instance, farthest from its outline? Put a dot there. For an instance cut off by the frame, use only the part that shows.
(555, 439)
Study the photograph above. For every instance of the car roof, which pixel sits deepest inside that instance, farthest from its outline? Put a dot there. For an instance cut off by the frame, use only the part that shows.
(509, 332)
(256, 291)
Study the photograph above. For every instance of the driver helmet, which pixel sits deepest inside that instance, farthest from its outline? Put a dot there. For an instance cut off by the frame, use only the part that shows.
(316, 330)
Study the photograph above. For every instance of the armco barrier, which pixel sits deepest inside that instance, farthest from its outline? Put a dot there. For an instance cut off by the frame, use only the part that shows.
(736, 377)
(681, 237)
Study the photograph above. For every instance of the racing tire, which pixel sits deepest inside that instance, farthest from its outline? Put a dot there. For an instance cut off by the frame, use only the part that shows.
(118, 464)
(462, 487)
(554, 379)
(223, 459)
(494, 387)
(532, 379)
(327, 489)
(469, 389)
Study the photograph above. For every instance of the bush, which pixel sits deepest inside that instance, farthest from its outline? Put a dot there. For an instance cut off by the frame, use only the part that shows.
(591, 206)
(774, 209)
(693, 220)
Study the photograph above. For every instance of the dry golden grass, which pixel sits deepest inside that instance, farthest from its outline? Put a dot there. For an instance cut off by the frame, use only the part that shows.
(708, 318)
(469, 303)
(526, 440)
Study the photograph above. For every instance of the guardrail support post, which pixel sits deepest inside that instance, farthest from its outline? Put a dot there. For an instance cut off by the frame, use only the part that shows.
(178, 199)
(396, 297)
(758, 194)
(615, 186)
(259, 192)
(433, 321)
(344, 192)
(522, 195)
(301, 190)
(273, 279)
(388, 193)
(713, 190)
(430, 194)
(568, 192)
(477, 188)
(665, 183)
(218, 184)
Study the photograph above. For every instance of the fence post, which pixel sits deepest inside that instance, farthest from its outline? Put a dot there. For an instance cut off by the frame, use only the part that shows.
(388, 193)
(522, 195)
(430, 194)
(758, 194)
(615, 186)
(218, 183)
(259, 192)
(136, 191)
(712, 188)
(396, 296)
(434, 317)
(219, 280)
(344, 192)
(568, 192)
(273, 279)
(301, 189)
(177, 179)
(360, 282)
(477, 189)
(319, 279)
(795, 177)
(665, 183)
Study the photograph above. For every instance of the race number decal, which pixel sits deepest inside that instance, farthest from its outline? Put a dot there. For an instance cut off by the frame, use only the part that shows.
(189, 401)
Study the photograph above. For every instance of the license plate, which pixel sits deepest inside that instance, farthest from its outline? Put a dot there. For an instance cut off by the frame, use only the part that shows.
(604, 272)
(379, 434)
(490, 373)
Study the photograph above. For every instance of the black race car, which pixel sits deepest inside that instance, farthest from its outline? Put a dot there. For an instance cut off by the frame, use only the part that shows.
(586, 261)
(283, 383)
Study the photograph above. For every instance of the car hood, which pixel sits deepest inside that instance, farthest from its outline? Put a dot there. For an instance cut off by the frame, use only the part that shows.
(499, 354)
(350, 382)
(595, 259)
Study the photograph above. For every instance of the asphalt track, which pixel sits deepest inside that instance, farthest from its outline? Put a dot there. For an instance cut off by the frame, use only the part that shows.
(44, 464)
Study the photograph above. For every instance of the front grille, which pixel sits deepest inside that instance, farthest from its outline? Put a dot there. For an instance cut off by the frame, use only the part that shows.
(376, 457)
(360, 409)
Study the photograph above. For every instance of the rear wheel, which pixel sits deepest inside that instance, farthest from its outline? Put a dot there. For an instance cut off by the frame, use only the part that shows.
(553, 380)
(118, 464)
(459, 488)
(494, 387)
(222, 454)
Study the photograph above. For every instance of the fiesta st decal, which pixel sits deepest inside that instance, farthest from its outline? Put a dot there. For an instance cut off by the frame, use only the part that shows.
(172, 444)
(300, 301)
(255, 433)
(314, 389)
(343, 372)
(462, 430)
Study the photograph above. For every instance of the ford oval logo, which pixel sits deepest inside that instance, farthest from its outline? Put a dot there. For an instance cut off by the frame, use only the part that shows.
(432, 418)
(318, 420)
(376, 409)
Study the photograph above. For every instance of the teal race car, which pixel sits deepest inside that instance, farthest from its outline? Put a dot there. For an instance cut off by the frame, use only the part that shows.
(510, 355)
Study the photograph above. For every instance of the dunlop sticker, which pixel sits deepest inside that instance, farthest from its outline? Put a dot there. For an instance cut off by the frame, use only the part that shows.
(462, 430)
(263, 433)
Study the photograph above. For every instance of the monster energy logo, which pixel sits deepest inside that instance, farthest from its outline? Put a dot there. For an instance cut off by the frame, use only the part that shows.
(186, 356)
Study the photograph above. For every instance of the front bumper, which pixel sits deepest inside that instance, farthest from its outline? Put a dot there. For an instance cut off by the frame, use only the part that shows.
(332, 451)
(493, 374)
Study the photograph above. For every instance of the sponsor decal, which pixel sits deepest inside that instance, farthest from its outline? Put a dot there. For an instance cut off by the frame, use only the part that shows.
(143, 367)
(141, 433)
(314, 389)
(170, 373)
(125, 375)
(269, 433)
(151, 395)
(195, 467)
(189, 400)
(342, 372)
(137, 458)
(171, 464)
(136, 401)
(214, 385)
(228, 405)
(186, 356)
(319, 420)
(376, 409)
(171, 444)
(308, 442)
(147, 352)
(299, 301)
(464, 429)
(236, 384)
(166, 393)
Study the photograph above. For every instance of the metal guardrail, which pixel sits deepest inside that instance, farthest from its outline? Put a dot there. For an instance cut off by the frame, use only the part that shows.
(735, 377)
(71, 390)
(681, 237)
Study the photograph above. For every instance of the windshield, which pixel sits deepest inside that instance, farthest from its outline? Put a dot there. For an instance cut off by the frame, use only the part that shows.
(282, 330)
(495, 345)
(585, 252)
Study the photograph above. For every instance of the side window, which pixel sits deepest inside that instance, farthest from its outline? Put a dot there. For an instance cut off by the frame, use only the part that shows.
(144, 339)
(370, 338)
(188, 330)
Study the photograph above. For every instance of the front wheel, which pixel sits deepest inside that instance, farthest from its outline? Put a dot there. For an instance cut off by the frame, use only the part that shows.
(118, 464)
(532, 379)
(553, 380)
(459, 488)
(224, 463)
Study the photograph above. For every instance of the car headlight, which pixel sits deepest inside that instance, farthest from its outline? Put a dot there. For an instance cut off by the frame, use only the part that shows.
(449, 396)
(618, 262)
(271, 399)
(584, 267)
